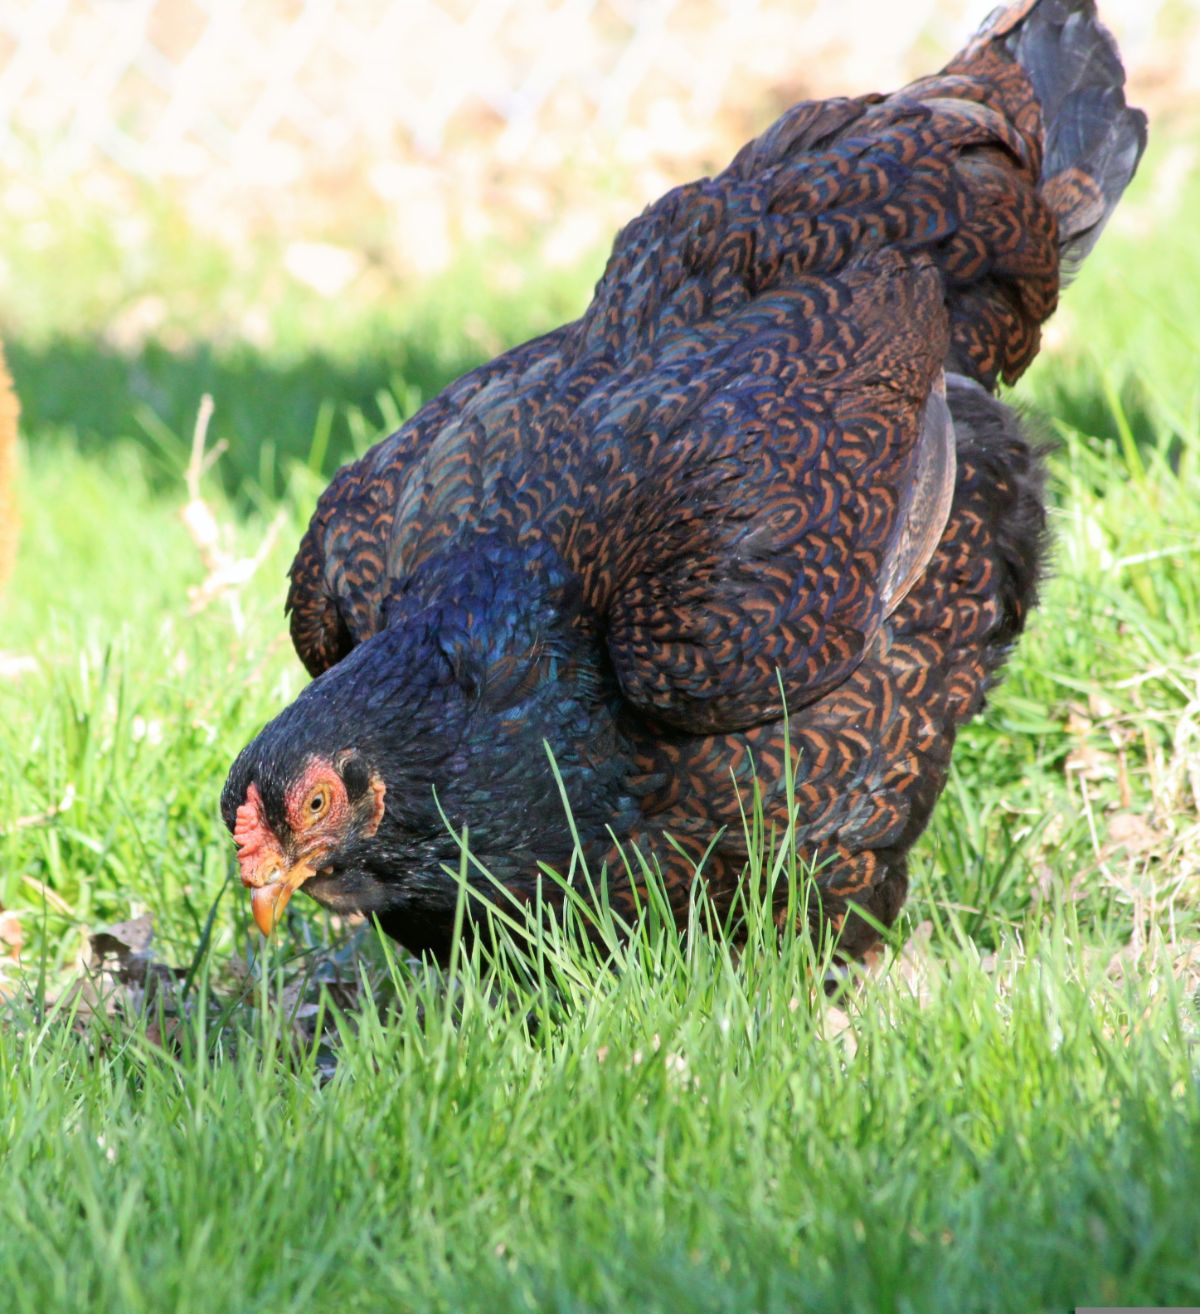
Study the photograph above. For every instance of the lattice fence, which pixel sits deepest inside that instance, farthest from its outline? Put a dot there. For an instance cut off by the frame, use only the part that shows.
(301, 112)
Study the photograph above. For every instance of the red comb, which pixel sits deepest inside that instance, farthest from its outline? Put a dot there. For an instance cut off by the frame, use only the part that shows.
(250, 828)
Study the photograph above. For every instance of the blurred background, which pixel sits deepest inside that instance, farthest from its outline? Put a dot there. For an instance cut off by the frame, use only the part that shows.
(406, 130)
(397, 189)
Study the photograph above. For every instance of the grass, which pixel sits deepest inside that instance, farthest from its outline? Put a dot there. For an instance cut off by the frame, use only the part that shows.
(685, 1133)
(1005, 1117)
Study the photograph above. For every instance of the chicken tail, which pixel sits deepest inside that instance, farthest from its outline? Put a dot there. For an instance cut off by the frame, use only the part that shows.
(8, 461)
(1091, 139)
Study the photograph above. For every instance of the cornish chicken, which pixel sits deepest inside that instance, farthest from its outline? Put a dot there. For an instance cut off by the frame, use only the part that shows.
(757, 520)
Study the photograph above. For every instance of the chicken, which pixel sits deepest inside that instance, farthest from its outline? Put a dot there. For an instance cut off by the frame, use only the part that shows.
(756, 521)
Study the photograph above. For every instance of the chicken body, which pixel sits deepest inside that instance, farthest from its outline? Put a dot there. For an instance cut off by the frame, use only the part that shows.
(756, 515)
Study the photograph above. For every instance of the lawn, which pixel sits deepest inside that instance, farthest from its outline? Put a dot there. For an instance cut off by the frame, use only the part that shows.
(1005, 1116)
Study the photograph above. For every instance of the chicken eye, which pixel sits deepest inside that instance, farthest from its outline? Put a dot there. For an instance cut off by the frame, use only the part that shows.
(318, 803)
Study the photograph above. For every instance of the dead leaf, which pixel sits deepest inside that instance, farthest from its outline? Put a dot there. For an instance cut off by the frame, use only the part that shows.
(12, 941)
(1132, 832)
(122, 977)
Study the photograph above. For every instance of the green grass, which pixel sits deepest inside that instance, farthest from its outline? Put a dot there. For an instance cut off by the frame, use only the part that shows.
(1005, 1117)
(685, 1133)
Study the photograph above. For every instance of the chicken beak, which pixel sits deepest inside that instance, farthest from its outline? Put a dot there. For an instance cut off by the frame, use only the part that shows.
(267, 902)
(264, 864)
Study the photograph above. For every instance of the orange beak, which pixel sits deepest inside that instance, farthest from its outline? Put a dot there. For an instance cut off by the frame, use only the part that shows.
(265, 870)
(268, 900)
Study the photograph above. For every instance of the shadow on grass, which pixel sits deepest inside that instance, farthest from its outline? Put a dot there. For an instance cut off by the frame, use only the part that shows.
(320, 409)
(272, 409)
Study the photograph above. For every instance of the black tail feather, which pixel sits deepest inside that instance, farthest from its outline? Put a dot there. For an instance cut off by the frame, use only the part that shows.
(1092, 139)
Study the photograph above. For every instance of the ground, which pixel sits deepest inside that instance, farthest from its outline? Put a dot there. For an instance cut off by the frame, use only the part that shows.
(1005, 1116)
